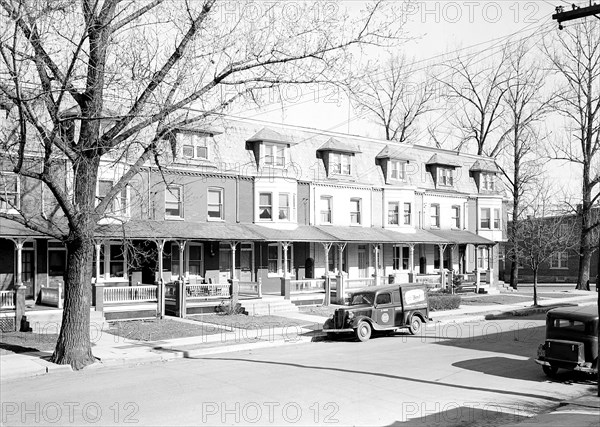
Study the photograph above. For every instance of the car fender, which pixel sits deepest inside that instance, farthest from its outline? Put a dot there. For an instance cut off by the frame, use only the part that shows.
(358, 319)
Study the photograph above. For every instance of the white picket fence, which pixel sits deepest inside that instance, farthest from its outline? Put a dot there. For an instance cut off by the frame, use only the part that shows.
(7, 300)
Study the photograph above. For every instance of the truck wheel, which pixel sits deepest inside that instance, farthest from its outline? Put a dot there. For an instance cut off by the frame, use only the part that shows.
(550, 371)
(363, 331)
(415, 325)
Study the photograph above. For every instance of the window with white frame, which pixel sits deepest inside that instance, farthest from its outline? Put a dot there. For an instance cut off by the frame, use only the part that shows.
(407, 213)
(488, 181)
(326, 205)
(340, 163)
(265, 206)
(485, 221)
(119, 204)
(173, 201)
(393, 213)
(446, 177)
(456, 216)
(482, 258)
(276, 257)
(397, 170)
(401, 257)
(194, 146)
(284, 206)
(435, 215)
(9, 192)
(215, 204)
(274, 155)
(355, 206)
(195, 259)
(496, 219)
(559, 260)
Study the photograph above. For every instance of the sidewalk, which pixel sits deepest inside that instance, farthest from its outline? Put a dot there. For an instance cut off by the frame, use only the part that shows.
(112, 350)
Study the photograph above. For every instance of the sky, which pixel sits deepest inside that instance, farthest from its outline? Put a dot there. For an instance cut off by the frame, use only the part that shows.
(436, 30)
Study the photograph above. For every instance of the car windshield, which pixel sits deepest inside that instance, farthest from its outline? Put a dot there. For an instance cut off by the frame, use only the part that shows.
(362, 298)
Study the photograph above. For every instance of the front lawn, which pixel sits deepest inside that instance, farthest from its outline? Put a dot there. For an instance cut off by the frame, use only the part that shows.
(158, 329)
(242, 321)
(25, 342)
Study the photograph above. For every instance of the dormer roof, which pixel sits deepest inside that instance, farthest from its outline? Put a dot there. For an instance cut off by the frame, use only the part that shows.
(438, 159)
(269, 135)
(484, 166)
(396, 153)
(336, 145)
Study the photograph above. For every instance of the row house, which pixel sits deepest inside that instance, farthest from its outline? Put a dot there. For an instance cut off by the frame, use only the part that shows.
(262, 202)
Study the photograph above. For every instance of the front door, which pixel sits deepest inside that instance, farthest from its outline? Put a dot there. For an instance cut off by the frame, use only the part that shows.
(28, 271)
(362, 261)
(244, 262)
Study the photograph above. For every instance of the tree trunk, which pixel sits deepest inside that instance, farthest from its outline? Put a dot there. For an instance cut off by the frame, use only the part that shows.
(585, 262)
(73, 346)
(514, 274)
(535, 280)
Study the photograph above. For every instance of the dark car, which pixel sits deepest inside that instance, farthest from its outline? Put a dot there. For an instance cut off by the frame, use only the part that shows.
(571, 340)
(382, 308)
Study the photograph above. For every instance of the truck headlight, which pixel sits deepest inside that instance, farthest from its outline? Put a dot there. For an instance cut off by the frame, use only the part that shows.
(350, 315)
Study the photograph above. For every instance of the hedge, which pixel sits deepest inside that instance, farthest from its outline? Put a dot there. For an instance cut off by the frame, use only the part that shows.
(441, 301)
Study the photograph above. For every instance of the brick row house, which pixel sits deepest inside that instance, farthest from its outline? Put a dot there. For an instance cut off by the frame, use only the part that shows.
(262, 202)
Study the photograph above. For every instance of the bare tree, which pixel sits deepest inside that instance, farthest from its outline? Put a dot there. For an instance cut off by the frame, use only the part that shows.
(476, 91)
(519, 156)
(575, 56)
(393, 97)
(90, 80)
(543, 234)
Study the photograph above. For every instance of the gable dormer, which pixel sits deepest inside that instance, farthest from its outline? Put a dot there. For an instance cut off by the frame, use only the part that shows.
(270, 148)
(338, 158)
(443, 171)
(192, 144)
(394, 164)
(484, 172)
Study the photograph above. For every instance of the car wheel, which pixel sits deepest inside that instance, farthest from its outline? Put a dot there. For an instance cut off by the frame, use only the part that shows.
(415, 325)
(550, 371)
(363, 331)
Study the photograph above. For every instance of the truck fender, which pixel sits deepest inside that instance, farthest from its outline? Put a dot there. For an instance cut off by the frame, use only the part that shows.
(358, 319)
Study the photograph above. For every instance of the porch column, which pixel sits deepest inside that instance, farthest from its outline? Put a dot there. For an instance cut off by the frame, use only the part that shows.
(477, 276)
(19, 276)
(339, 293)
(411, 268)
(181, 245)
(442, 248)
(326, 247)
(376, 254)
(490, 271)
(160, 244)
(234, 289)
(284, 247)
(98, 247)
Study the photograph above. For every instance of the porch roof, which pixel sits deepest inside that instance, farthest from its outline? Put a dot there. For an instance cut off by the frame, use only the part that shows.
(462, 236)
(302, 233)
(183, 230)
(9, 228)
(379, 235)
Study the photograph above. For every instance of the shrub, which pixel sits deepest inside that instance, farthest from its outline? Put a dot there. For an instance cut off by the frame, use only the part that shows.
(227, 309)
(443, 301)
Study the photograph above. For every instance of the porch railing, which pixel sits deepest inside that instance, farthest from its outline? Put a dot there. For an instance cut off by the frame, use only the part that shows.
(207, 291)
(250, 288)
(359, 283)
(307, 285)
(7, 299)
(123, 294)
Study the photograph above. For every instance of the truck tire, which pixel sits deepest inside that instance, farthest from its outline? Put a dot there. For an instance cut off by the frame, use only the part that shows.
(363, 331)
(415, 325)
(550, 371)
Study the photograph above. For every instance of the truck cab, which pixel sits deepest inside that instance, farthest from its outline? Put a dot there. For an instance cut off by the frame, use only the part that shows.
(382, 308)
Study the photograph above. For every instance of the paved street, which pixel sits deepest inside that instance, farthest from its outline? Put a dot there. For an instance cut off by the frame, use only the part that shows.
(480, 374)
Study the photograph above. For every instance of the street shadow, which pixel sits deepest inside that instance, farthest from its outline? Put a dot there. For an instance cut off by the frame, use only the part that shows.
(520, 369)
(366, 374)
(462, 416)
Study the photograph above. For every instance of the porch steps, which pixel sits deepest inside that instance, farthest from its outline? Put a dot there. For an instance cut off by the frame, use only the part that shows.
(269, 305)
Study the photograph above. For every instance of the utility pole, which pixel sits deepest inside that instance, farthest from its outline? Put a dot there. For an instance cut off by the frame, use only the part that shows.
(576, 13)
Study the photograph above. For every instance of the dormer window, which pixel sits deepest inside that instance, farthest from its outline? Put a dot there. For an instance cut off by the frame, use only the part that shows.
(340, 163)
(274, 155)
(194, 146)
(445, 177)
(488, 181)
(398, 170)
